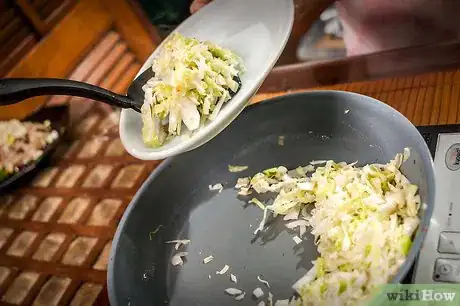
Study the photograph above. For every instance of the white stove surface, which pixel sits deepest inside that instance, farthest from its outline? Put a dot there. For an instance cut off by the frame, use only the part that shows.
(439, 258)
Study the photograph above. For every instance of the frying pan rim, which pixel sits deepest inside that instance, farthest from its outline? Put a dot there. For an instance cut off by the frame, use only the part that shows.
(425, 157)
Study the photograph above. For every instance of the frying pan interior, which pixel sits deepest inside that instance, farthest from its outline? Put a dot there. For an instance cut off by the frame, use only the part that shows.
(176, 203)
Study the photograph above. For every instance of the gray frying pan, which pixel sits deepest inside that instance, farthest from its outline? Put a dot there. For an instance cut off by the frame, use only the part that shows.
(176, 203)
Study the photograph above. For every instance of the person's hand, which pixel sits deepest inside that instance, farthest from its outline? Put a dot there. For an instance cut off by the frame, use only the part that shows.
(198, 4)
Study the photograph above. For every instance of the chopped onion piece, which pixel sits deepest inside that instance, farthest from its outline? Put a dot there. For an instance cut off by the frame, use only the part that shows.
(242, 182)
(406, 154)
(263, 281)
(208, 259)
(297, 240)
(410, 224)
(270, 299)
(258, 293)
(304, 212)
(233, 291)
(281, 140)
(262, 223)
(217, 187)
(190, 114)
(302, 230)
(179, 243)
(318, 162)
(233, 278)
(244, 191)
(176, 260)
(308, 186)
(305, 280)
(223, 270)
(261, 303)
(258, 203)
(297, 223)
(292, 215)
(240, 297)
(235, 168)
(282, 303)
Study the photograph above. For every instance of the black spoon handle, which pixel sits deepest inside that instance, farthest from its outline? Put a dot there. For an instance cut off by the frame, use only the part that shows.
(15, 90)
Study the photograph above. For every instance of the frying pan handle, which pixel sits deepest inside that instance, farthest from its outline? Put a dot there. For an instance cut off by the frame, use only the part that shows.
(14, 90)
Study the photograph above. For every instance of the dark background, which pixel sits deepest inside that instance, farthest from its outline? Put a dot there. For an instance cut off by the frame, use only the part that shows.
(166, 14)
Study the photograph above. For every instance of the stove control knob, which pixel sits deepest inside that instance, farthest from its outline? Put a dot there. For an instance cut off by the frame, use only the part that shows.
(447, 270)
(449, 242)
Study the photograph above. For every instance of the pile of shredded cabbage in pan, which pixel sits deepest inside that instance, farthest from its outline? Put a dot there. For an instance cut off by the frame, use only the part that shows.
(192, 81)
(363, 220)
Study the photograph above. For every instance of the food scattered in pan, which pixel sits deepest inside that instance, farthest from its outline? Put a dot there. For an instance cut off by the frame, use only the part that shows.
(193, 80)
(223, 270)
(297, 239)
(179, 243)
(270, 299)
(242, 184)
(22, 143)
(236, 168)
(363, 220)
(216, 187)
(257, 202)
(258, 293)
(263, 281)
(233, 291)
(177, 260)
(240, 297)
(153, 233)
(281, 140)
(208, 259)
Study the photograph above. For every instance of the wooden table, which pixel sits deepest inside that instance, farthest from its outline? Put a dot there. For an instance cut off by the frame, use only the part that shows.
(55, 234)
(421, 82)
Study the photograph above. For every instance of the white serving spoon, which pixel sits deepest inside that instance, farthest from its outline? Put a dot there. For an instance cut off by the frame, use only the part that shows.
(257, 30)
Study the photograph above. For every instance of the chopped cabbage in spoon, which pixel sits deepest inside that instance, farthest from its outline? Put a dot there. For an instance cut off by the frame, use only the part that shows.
(192, 81)
(363, 220)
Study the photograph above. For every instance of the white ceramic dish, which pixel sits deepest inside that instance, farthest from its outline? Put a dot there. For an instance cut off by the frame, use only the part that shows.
(257, 30)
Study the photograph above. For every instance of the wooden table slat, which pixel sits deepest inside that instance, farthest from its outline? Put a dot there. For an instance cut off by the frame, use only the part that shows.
(429, 98)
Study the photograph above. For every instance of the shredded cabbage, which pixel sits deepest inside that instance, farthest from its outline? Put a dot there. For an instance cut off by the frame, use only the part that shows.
(192, 81)
(236, 168)
(363, 220)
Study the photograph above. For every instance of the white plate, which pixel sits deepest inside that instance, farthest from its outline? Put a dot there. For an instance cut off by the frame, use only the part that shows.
(255, 29)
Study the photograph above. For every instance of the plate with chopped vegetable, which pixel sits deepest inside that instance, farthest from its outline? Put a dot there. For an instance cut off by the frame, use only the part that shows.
(205, 72)
(25, 144)
(321, 202)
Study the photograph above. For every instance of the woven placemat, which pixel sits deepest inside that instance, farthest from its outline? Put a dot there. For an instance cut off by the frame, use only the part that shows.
(425, 99)
(55, 234)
